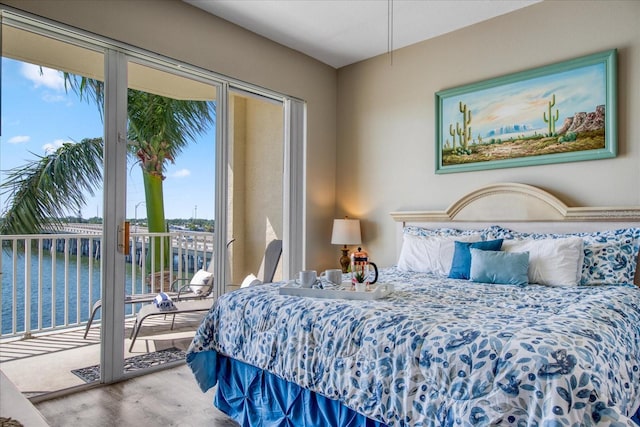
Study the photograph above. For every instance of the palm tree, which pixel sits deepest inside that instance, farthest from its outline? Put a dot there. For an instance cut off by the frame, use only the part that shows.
(43, 191)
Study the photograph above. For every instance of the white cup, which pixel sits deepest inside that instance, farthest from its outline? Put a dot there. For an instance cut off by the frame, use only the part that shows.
(334, 276)
(307, 278)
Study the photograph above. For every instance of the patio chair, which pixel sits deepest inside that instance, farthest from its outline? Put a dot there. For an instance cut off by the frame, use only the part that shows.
(270, 261)
(267, 271)
(198, 287)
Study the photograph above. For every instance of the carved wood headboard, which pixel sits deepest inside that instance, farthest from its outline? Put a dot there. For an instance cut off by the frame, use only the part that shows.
(522, 207)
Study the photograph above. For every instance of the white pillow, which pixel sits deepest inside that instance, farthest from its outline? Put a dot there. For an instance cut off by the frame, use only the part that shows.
(553, 262)
(200, 281)
(250, 280)
(430, 254)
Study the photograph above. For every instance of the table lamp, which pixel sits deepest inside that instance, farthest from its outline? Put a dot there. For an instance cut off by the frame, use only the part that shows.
(346, 232)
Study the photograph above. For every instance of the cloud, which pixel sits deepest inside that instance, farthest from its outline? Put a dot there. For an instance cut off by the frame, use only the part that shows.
(51, 79)
(53, 146)
(49, 97)
(182, 173)
(19, 139)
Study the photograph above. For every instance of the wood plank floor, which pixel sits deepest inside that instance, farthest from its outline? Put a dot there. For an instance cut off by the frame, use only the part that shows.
(167, 398)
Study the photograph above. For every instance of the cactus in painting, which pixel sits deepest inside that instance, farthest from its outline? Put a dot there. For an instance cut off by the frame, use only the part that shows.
(452, 132)
(463, 138)
(568, 137)
(465, 132)
(551, 120)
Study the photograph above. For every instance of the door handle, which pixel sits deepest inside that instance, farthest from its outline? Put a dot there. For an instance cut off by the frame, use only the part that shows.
(123, 238)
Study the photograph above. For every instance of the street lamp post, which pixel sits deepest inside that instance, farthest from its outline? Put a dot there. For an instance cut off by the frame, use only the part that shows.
(136, 214)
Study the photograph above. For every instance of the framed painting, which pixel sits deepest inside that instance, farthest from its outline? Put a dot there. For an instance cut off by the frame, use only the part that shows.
(564, 112)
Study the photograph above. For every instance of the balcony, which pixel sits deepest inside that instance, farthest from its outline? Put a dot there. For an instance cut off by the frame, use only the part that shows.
(49, 285)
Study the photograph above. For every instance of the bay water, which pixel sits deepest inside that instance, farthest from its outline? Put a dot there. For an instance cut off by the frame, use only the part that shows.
(80, 279)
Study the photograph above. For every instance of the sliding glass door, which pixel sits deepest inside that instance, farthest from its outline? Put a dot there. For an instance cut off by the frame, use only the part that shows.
(169, 171)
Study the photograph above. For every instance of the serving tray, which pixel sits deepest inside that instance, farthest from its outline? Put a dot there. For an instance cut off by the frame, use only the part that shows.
(377, 291)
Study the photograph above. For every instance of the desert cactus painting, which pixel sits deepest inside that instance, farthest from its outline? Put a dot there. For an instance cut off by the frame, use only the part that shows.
(557, 113)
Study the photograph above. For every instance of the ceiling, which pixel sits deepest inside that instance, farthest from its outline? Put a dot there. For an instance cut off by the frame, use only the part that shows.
(341, 32)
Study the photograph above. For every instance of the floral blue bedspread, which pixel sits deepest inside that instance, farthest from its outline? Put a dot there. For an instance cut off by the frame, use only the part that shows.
(445, 352)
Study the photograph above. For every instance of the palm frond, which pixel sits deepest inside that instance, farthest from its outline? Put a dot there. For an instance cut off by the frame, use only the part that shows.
(47, 189)
(162, 127)
(86, 89)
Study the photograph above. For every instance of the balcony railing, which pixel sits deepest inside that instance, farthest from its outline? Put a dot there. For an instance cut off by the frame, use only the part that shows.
(50, 281)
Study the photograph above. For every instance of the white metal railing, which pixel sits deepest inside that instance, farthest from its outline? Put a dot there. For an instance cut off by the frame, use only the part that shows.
(50, 281)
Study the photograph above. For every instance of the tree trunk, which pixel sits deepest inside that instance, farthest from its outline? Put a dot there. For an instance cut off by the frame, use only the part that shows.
(156, 223)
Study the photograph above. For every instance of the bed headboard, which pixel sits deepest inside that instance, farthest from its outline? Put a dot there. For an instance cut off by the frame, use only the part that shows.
(521, 207)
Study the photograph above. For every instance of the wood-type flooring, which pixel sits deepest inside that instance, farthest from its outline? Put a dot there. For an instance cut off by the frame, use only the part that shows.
(167, 398)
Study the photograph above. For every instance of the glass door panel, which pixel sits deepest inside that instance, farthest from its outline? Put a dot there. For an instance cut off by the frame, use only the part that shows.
(170, 201)
(51, 153)
(255, 182)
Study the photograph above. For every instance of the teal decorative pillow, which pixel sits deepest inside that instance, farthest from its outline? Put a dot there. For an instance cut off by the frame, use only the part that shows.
(506, 268)
(461, 263)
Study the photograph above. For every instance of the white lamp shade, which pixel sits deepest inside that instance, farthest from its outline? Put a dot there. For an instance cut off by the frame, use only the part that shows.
(346, 232)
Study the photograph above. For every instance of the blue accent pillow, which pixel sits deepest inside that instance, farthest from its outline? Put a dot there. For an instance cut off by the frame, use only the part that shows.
(461, 263)
(505, 268)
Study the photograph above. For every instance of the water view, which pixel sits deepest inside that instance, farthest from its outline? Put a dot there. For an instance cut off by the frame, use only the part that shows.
(61, 276)
(59, 284)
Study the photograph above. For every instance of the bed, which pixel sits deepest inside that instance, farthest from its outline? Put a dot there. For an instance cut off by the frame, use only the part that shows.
(449, 351)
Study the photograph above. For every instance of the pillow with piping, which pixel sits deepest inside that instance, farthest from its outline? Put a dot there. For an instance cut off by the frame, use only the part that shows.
(504, 268)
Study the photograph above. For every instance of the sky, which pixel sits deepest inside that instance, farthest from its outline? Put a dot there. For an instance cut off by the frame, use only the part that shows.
(38, 115)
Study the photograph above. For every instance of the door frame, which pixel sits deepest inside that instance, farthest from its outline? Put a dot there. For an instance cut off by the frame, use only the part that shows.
(114, 195)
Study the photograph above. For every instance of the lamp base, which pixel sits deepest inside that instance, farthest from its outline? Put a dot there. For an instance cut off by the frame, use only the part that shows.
(345, 260)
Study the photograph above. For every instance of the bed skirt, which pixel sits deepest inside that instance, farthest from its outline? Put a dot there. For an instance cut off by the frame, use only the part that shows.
(256, 398)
